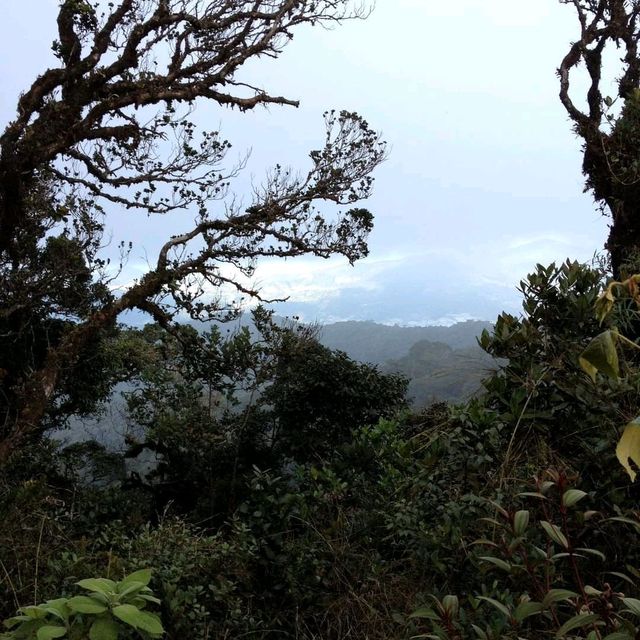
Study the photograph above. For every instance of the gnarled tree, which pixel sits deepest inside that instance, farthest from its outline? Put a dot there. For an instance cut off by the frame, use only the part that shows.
(609, 125)
(104, 130)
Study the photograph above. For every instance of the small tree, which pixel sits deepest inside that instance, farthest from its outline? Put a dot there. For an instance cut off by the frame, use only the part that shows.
(609, 125)
(92, 135)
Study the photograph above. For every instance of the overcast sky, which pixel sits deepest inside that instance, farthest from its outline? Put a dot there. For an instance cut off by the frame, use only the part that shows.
(483, 180)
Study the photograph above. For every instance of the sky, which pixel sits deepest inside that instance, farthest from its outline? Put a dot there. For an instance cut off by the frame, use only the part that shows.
(483, 178)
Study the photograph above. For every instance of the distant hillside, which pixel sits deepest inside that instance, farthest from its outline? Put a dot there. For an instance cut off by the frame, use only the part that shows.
(377, 343)
(442, 363)
(439, 373)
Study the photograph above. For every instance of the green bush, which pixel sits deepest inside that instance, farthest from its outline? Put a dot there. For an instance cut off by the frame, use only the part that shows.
(550, 570)
(110, 610)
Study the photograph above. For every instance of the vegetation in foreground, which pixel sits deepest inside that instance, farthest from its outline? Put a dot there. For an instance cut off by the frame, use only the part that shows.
(292, 492)
(273, 515)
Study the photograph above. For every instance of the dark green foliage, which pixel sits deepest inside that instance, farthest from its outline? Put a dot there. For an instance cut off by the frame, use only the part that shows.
(317, 396)
(213, 408)
(549, 564)
(294, 493)
(552, 407)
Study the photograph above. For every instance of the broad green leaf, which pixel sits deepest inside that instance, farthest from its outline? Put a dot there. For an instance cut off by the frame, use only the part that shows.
(26, 629)
(572, 496)
(526, 609)
(425, 612)
(33, 612)
(556, 595)
(101, 585)
(520, 522)
(577, 622)
(104, 629)
(130, 587)
(629, 447)
(86, 604)
(57, 608)
(128, 614)
(49, 631)
(546, 485)
(633, 605)
(138, 619)
(497, 605)
(601, 355)
(501, 564)
(150, 623)
(618, 635)
(144, 576)
(15, 620)
(555, 533)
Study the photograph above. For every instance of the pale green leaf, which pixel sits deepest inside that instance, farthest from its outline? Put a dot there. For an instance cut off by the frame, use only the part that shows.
(86, 604)
(577, 622)
(143, 620)
(555, 533)
(57, 608)
(104, 629)
(633, 605)
(50, 631)
(629, 447)
(451, 605)
(34, 612)
(572, 496)
(556, 595)
(520, 522)
(532, 494)
(130, 587)
(601, 355)
(101, 585)
(144, 576)
(425, 612)
(501, 564)
(15, 620)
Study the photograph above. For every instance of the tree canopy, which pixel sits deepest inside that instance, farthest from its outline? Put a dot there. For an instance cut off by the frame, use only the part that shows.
(106, 130)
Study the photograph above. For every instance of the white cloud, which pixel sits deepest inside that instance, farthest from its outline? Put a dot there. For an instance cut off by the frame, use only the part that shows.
(317, 281)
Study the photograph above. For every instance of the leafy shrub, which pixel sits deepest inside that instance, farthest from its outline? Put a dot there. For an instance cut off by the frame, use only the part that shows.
(109, 611)
(553, 576)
